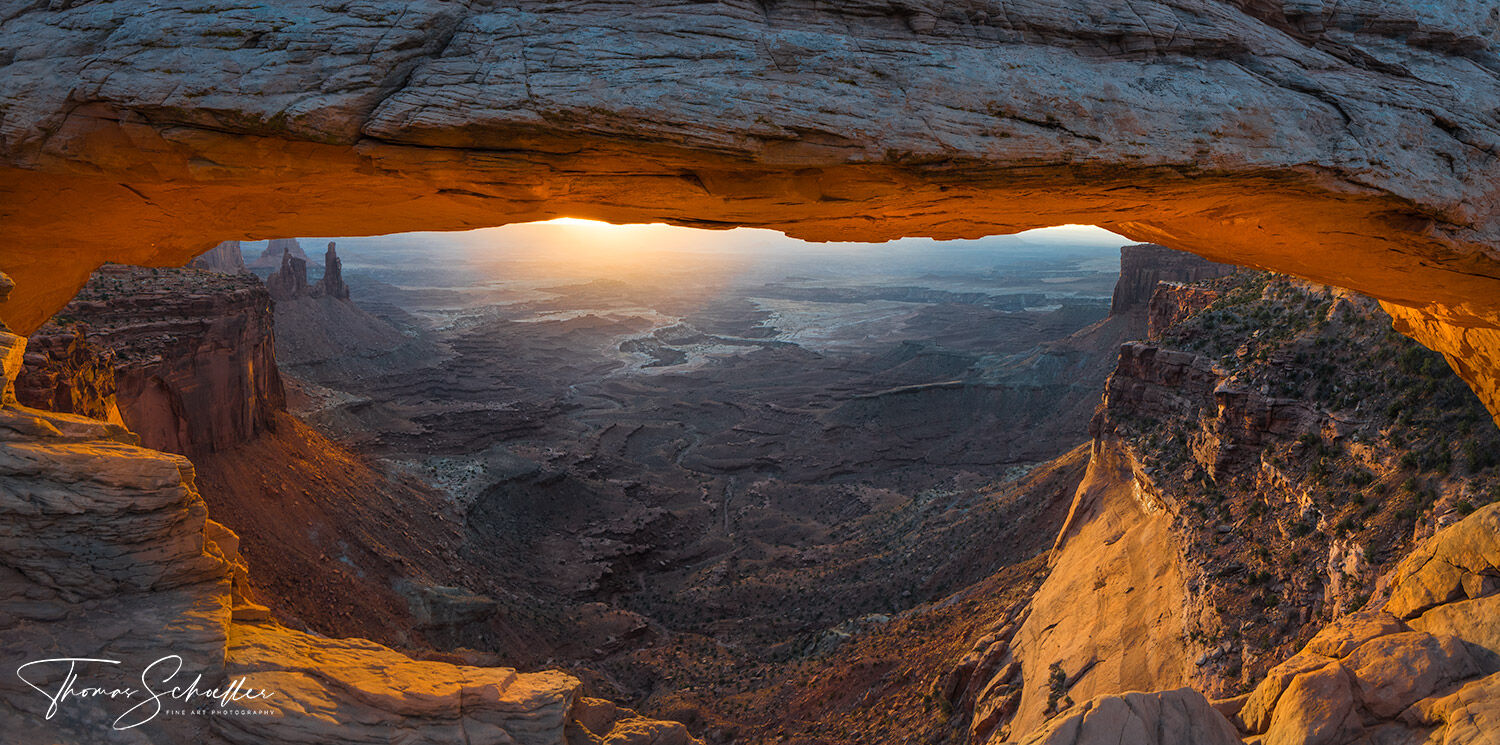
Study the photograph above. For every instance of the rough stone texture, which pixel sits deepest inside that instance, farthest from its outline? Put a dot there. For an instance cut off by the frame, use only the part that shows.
(1158, 383)
(102, 555)
(1317, 708)
(1395, 671)
(355, 691)
(1172, 302)
(193, 356)
(1370, 674)
(1168, 718)
(1468, 716)
(1477, 620)
(65, 373)
(1352, 143)
(1434, 573)
(225, 257)
(1144, 265)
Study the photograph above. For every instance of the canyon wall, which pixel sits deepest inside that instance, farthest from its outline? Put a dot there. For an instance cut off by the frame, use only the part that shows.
(1259, 471)
(1144, 265)
(225, 257)
(192, 351)
(1312, 138)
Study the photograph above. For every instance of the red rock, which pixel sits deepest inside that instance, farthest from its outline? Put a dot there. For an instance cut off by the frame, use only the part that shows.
(193, 356)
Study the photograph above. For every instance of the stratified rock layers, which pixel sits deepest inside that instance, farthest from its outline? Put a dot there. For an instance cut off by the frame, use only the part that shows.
(194, 356)
(1352, 143)
(1145, 265)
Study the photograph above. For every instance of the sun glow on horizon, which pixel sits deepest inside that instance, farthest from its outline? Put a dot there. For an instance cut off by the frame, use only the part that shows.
(628, 234)
(576, 246)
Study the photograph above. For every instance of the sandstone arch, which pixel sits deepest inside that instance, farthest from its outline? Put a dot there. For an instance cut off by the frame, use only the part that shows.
(1353, 143)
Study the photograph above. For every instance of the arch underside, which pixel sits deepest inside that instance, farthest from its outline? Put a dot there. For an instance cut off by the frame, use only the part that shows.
(1352, 145)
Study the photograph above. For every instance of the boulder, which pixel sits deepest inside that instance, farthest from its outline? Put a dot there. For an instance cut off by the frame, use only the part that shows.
(1436, 572)
(1167, 718)
(1395, 671)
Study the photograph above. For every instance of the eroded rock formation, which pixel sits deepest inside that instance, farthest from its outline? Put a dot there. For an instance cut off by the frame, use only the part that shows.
(191, 354)
(331, 284)
(1423, 668)
(225, 257)
(1144, 265)
(290, 280)
(1351, 143)
(270, 256)
(1256, 468)
(66, 373)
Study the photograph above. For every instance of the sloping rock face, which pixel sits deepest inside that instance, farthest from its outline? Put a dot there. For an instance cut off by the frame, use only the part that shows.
(225, 257)
(192, 353)
(1351, 143)
(1167, 718)
(1255, 469)
(1110, 616)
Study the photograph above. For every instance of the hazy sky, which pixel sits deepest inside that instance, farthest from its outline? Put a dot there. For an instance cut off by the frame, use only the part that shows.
(573, 246)
(588, 234)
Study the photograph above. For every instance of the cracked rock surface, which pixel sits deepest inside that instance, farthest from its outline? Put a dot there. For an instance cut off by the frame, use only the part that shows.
(1353, 143)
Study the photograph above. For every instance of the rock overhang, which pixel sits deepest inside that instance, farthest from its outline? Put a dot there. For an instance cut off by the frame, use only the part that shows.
(1352, 144)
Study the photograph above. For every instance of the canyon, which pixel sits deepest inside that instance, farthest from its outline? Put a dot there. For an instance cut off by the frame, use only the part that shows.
(1281, 513)
(504, 513)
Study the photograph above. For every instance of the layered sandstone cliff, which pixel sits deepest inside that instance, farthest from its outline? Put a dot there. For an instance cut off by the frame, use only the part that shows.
(117, 562)
(193, 356)
(1143, 266)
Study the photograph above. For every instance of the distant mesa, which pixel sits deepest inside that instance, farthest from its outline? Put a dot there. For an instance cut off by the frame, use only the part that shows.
(1143, 265)
(271, 257)
(225, 258)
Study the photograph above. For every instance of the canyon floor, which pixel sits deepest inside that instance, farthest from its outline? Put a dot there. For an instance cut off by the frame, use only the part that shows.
(685, 483)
